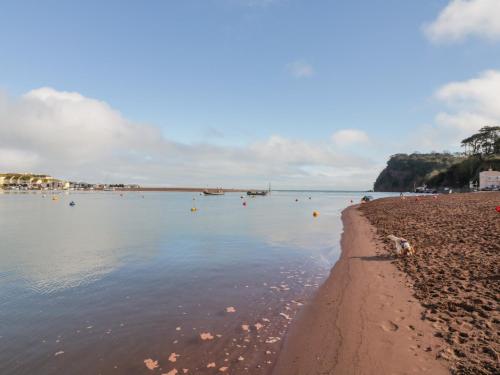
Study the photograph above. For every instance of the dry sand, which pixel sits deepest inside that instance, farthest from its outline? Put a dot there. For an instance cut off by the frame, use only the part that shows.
(364, 319)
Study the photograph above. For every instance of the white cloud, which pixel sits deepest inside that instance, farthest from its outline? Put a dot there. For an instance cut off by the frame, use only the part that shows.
(463, 18)
(469, 105)
(300, 69)
(480, 95)
(72, 136)
(347, 137)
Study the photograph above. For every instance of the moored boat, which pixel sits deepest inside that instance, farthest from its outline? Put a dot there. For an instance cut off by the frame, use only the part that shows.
(213, 192)
(257, 192)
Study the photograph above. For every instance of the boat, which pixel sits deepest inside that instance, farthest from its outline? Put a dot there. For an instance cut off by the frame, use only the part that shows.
(213, 192)
(259, 192)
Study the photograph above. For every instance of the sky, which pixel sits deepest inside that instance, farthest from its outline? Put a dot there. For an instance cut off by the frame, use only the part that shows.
(240, 93)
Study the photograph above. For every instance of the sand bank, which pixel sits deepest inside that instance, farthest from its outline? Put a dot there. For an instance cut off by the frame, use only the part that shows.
(364, 319)
(180, 189)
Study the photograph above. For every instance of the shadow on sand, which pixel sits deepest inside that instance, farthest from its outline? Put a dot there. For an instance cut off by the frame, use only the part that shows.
(375, 258)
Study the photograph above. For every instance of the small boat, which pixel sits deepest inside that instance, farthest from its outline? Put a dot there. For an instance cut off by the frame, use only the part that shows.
(72, 203)
(257, 192)
(213, 192)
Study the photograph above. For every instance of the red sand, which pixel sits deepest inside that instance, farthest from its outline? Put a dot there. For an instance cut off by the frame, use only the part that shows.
(455, 274)
(364, 319)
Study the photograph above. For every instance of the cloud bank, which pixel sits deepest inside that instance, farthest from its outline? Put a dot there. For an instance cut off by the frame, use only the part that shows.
(469, 105)
(463, 18)
(72, 136)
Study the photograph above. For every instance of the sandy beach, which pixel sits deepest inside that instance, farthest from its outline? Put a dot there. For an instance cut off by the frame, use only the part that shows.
(434, 313)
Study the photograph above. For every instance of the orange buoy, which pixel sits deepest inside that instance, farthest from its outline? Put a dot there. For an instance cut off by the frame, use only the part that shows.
(498, 208)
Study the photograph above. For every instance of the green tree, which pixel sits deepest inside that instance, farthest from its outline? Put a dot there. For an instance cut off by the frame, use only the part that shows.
(483, 143)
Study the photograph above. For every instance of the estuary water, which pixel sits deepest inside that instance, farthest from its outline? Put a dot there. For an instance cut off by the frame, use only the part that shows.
(129, 283)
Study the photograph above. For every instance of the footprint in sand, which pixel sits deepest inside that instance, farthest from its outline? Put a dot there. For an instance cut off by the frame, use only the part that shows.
(389, 326)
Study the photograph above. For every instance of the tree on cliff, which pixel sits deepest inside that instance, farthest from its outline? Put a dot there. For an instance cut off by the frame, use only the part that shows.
(436, 170)
(485, 142)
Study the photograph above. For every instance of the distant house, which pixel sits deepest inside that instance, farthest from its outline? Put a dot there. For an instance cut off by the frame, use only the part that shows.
(489, 180)
(29, 181)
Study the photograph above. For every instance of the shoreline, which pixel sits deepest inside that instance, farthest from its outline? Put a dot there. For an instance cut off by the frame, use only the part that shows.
(135, 189)
(363, 319)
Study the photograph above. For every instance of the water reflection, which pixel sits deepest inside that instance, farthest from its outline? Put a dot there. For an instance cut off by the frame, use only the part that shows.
(51, 246)
(133, 269)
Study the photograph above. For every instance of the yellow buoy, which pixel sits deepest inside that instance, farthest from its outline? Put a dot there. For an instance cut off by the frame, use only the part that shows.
(194, 209)
(315, 213)
(54, 198)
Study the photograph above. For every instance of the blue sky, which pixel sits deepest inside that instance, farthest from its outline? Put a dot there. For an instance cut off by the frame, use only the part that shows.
(229, 75)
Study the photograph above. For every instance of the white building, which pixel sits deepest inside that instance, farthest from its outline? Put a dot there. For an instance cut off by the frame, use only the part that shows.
(489, 179)
(29, 181)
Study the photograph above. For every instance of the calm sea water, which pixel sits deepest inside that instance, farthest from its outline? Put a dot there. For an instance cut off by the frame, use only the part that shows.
(102, 286)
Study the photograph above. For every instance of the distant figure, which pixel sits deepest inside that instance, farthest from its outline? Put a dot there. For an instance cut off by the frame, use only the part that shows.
(72, 203)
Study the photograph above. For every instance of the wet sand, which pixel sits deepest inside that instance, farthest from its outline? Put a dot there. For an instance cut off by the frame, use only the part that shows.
(434, 313)
(364, 319)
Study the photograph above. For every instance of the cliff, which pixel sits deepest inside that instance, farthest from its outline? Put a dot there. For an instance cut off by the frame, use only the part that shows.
(405, 172)
(436, 170)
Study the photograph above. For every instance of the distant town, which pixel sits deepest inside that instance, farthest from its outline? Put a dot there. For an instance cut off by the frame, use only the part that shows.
(30, 181)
